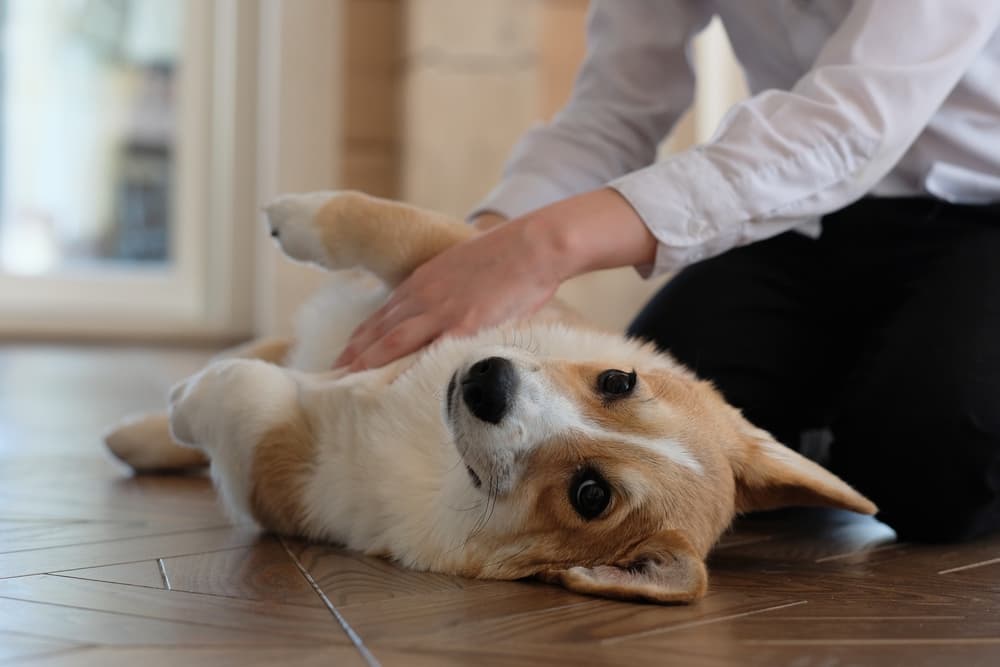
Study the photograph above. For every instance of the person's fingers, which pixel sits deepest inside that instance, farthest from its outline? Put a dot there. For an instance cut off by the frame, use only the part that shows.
(374, 327)
(406, 337)
(367, 333)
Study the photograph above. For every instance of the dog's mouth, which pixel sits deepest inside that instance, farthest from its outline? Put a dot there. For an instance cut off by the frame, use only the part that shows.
(450, 399)
(449, 395)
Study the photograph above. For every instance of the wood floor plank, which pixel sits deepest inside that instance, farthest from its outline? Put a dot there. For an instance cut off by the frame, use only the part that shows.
(805, 588)
(523, 654)
(18, 647)
(73, 557)
(351, 578)
(589, 621)
(48, 535)
(259, 572)
(313, 624)
(715, 647)
(856, 587)
(982, 580)
(174, 501)
(781, 629)
(743, 654)
(158, 656)
(434, 612)
(806, 534)
(88, 626)
(143, 573)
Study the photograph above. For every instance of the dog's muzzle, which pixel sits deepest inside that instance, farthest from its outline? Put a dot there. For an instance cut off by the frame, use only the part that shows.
(488, 388)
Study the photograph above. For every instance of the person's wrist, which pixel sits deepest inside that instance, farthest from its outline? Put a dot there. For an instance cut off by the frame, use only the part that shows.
(553, 244)
(592, 231)
(487, 220)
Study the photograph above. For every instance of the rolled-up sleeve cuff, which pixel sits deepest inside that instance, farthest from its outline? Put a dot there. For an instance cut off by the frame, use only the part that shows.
(519, 194)
(687, 205)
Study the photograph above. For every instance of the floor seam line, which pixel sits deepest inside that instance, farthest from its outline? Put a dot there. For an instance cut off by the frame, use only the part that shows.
(23, 660)
(163, 574)
(119, 539)
(694, 624)
(59, 573)
(172, 590)
(355, 638)
(154, 618)
(971, 566)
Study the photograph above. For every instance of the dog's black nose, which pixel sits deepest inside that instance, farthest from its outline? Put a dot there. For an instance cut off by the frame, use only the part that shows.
(488, 387)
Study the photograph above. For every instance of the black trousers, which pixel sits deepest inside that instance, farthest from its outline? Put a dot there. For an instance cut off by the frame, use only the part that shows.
(885, 331)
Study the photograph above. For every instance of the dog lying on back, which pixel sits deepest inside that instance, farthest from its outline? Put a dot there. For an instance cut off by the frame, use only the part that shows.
(541, 448)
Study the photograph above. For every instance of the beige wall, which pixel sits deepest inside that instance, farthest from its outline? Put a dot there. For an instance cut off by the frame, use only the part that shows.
(372, 96)
(430, 96)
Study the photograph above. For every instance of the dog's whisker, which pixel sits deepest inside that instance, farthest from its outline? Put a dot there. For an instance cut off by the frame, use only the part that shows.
(491, 499)
(507, 557)
(466, 509)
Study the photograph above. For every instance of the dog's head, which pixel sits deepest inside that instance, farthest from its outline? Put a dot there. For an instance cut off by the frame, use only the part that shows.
(614, 477)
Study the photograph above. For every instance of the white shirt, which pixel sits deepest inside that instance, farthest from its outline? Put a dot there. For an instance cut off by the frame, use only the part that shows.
(889, 97)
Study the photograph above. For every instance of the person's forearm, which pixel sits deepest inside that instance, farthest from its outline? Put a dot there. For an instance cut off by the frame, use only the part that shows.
(593, 231)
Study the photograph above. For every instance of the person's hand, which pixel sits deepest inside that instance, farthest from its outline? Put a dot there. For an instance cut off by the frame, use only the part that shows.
(507, 272)
(487, 221)
(484, 280)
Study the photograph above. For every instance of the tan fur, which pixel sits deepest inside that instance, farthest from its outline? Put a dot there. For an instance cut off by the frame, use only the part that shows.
(282, 462)
(769, 483)
(663, 568)
(629, 414)
(404, 238)
(645, 503)
(145, 444)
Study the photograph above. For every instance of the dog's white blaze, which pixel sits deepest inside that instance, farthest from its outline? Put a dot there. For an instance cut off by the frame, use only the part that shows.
(668, 448)
(563, 415)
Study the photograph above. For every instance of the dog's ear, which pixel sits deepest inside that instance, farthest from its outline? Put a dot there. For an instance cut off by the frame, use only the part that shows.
(664, 568)
(770, 475)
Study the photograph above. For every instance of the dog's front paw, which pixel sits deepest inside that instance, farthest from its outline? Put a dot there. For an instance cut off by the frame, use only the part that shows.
(293, 223)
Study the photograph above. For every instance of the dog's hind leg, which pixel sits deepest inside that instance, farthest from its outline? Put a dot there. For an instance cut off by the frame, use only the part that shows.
(144, 443)
(340, 230)
(247, 415)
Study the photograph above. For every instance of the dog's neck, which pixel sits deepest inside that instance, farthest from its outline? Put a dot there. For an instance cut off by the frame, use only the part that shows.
(388, 473)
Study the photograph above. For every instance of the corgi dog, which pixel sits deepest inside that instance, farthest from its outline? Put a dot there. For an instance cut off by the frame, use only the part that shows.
(541, 448)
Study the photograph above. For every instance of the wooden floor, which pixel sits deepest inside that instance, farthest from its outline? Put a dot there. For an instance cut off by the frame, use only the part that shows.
(99, 568)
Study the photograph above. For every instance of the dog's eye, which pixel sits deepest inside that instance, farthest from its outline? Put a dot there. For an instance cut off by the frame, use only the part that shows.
(615, 382)
(589, 494)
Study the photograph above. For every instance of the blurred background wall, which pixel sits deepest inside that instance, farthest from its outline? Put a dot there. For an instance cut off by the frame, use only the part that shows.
(419, 100)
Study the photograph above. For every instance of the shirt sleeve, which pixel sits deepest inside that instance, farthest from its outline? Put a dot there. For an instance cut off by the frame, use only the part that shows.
(782, 157)
(634, 84)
